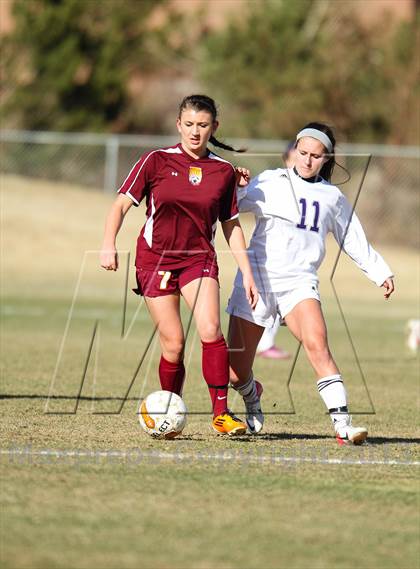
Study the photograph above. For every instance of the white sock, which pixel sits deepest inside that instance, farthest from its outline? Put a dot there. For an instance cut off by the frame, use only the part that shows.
(333, 393)
(248, 390)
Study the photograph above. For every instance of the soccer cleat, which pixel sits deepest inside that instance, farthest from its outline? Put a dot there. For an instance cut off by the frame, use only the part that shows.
(228, 424)
(346, 433)
(254, 414)
(274, 353)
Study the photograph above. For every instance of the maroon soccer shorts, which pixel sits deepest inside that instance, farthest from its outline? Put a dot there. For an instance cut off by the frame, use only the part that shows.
(154, 283)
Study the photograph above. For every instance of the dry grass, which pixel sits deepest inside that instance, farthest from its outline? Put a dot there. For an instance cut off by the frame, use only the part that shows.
(169, 514)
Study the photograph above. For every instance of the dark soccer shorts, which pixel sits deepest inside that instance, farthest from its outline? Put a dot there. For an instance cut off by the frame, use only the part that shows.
(158, 282)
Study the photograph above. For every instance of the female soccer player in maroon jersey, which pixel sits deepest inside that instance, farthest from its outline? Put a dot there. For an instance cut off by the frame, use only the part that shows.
(187, 190)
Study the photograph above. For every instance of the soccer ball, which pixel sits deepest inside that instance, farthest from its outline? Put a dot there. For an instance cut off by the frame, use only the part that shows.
(163, 415)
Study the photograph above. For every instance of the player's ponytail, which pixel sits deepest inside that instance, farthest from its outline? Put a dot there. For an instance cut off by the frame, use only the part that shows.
(204, 103)
(224, 146)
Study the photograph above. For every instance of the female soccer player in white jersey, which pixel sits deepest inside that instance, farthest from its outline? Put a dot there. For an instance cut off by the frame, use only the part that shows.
(295, 209)
(187, 189)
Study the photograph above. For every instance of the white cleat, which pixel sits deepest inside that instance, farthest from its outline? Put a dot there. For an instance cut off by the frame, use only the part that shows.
(346, 433)
(254, 414)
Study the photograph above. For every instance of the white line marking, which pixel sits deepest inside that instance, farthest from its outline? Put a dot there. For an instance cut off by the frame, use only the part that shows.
(182, 456)
(11, 310)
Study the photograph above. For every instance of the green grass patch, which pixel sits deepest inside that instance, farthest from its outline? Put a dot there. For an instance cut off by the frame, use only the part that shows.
(200, 501)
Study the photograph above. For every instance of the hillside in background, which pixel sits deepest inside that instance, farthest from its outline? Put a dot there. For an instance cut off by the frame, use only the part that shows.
(123, 66)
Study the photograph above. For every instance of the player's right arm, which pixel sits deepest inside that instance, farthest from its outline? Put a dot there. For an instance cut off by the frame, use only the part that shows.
(109, 254)
(133, 190)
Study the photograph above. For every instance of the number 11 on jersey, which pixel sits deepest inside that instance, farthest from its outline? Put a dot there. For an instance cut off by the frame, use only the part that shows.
(302, 223)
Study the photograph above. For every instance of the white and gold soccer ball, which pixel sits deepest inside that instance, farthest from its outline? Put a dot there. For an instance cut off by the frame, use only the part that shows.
(163, 415)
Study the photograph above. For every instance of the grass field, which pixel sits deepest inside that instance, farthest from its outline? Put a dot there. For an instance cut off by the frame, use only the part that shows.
(82, 489)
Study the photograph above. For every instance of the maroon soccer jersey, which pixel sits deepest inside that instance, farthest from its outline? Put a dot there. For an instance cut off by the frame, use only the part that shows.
(184, 197)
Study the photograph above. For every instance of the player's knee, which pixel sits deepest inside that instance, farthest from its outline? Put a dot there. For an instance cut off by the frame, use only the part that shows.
(173, 348)
(210, 331)
(316, 346)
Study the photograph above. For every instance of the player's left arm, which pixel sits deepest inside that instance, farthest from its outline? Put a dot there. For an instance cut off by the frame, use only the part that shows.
(234, 236)
(389, 287)
(349, 234)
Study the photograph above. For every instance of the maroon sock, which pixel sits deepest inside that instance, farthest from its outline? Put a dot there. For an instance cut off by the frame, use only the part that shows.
(216, 373)
(171, 375)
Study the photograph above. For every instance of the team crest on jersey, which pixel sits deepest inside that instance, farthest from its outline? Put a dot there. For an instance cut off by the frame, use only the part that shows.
(195, 175)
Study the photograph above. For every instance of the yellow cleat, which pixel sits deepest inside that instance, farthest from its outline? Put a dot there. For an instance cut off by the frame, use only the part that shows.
(228, 424)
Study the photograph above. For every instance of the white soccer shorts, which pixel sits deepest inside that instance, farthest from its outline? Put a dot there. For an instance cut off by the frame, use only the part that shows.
(269, 304)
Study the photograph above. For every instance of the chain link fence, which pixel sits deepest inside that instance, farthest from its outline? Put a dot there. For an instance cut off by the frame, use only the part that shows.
(384, 179)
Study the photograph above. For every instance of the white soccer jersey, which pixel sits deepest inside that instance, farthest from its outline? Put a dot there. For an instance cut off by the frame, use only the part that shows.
(293, 218)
